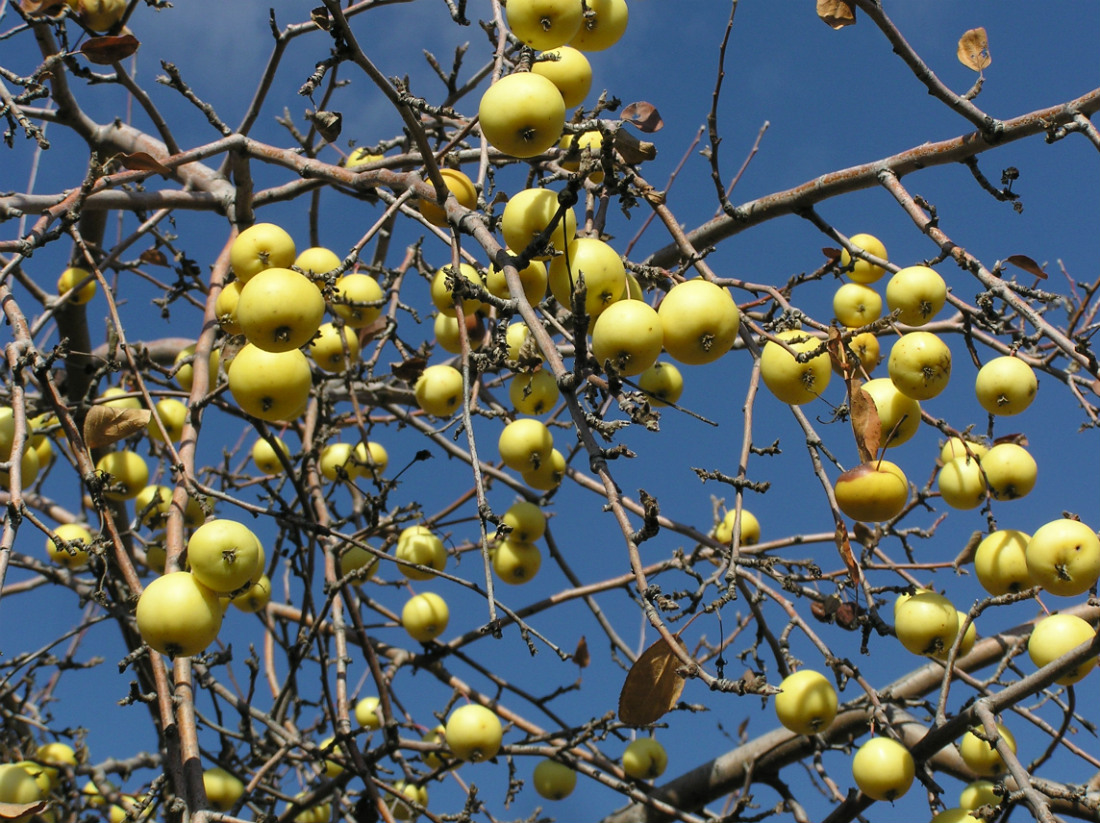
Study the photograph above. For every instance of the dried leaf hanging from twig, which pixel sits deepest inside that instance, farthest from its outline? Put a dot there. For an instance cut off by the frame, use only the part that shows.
(105, 425)
(836, 14)
(974, 49)
(653, 685)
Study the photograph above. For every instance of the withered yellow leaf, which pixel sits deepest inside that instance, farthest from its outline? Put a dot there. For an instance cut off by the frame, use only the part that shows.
(974, 49)
(652, 685)
(865, 423)
(105, 425)
(836, 14)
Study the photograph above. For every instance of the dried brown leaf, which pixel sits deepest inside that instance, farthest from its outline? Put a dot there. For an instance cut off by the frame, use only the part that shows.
(643, 115)
(12, 811)
(105, 425)
(653, 685)
(1022, 261)
(836, 14)
(409, 370)
(1019, 438)
(845, 549)
(831, 254)
(581, 656)
(153, 257)
(633, 150)
(974, 49)
(865, 423)
(107, 50)
(141, 161)
(328, 123)
(40, 6)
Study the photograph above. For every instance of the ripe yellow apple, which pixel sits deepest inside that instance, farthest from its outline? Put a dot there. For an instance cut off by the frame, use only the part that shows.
(367, 714)
(223, 788)
(334, 348)
(259, 247)
(177, 615)
(589, 145)
(126, 474)
(554, 780)
(544, 24)
(883, 768)
(569, 70)
(353, 295)
(1063, 556)
(99, 15)
(526, 521)
(439, 390)
(700, 321)
(317, 261)
(272, 386)
(406, 794)
(225, 555)
(355, 558)
(856, 304)
(645, 758)
(864, 347)
(522, 115)
(516, 561)
(979, 793)
(807, 702)
(962, 483)
(280, 310)
(750, 528)
(474, 733)
(1059, 634)
(425, 617)
(916, 293)
(1010, 471)
(421, 546)
(982, 758)
(525, 443)
(516, 336)
(75, 554)
(1005, 386)
(1000, 562)
(255, 598)
(920, 365)
(448, 334)
(549, 473)
(926, 623)
(71, 278)
(185, 374)
(266, 456)
(898, 414)
(958, 447)
(603, 271)
(18, 786)
(662, 383)
(443, 291)
(458, 184)
(533, 278)
(872, 492)
(789, 380)
(535, 393)
(627, 335)
(602, 27)
(225, 307)
(528, 213)
(173, 416)
(861, 270)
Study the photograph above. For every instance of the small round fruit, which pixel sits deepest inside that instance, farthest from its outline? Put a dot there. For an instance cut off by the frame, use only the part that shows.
(1000, 562)
(362, 156)
(334, 348)
(700, 321)
(1063, 556)
(872, 492)
(603, 26)
(957, 447)
(535, 393)
(437, 736)
(185, 373)
(517, 336)
(255, 598)
(224, 555)
(259, 247)
(75, 556)
(662, 383)
(458, 184)
(338, 462)
(1059, 634)
(883, 769)
(982, 758)
(789, 380)
(51, 758)
(444, 296)
(355, 558)
(474, 733)
(962, 483)
(1010, 471)
(419, 545)
(177, 615)
(439, 390)
(371, 459)
(525, 443)
(225, 307)
(73, 276)
(916, 293)
(522, 115)
(899, 415)
(979, 793)
(1005, 386)
(449, 336)
(18, 786)
(272, 386)
(549, 473)
(173, 416)
(117, 397)
(807, 702)
(861, 270)
(367, 714)
(352, 298)
(425, 616)
(28, 468)
(629, 336)
(968, 640)
(856, 305)
(528, 213)
(223, 789)
(532, 277)
(319, 813)
(526, 521)
(554, 780)
(750, 528)
(317, 261)
(280, 310)
(400, 804)
(266, 456)
(589, 145)
(865, 348)
(645, 758)
(920, 365)
(926, 623)
(603, 271)
(516, 562)
(955, 816)
(126, 474)
(544, 24)
(333, 768)
(570, 71)
(153, 504)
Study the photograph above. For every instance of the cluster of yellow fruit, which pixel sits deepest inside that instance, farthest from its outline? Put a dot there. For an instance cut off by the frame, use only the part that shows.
(180, 613)
(277, 301)
(38, 451)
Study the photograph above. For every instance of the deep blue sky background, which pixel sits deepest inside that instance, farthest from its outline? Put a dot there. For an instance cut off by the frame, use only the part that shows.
(832, 99)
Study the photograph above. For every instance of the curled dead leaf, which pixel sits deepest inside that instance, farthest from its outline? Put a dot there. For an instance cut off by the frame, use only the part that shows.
(328, 123)
(153, 257)
(836, 14)
(13, 811)
(1022, 261)
(633, 150)
(581, 656)
(409, 370)
(652, 686)
(973, 49)
(643, 115)
(107, 50)
(41, 6)
(141, 161)
(105, 425)
(865, 423)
